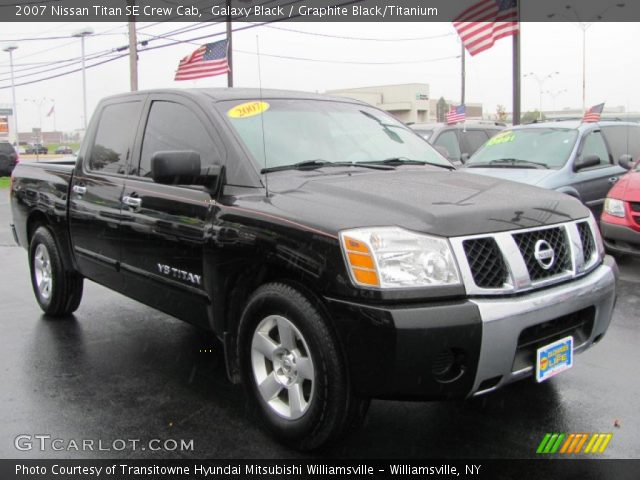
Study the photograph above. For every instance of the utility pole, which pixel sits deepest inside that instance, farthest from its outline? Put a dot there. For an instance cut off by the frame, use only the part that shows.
(133, 49)
(516, 71)
(82, 34)
(229, 46)
(463, 79)
(10, 49)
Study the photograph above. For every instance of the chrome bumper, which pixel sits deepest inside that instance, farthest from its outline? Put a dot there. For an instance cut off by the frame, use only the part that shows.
(503, 319)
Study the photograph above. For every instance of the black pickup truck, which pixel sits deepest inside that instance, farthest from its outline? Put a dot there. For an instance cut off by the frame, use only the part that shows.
(336, 255)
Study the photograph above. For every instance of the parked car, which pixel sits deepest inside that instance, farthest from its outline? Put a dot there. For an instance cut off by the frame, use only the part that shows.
(579, 159)
(64, 150)
(8, 158)
(37, 148)
(336, 255)
(620, 222)
(458, 142)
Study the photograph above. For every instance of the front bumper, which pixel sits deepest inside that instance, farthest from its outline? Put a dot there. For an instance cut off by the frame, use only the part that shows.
(462, 348)
(620, 239)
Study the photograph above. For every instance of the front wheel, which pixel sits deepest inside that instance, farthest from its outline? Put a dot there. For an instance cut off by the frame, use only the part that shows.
(57, 290)
(293, 369)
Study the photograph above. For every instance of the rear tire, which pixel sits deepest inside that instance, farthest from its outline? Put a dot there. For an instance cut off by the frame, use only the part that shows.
(293, 369)
(57, 290)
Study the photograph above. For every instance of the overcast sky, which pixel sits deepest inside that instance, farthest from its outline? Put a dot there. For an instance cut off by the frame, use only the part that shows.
(613, 63)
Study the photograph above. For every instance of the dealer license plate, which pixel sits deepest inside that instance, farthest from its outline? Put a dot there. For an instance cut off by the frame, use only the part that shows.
(554, 358)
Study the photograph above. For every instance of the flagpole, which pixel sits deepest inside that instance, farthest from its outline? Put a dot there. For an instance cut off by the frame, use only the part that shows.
(229, 47)
(463, 75)
(516, 69)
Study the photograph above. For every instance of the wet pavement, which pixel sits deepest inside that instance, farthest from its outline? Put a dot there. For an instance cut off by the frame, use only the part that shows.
(118, 371)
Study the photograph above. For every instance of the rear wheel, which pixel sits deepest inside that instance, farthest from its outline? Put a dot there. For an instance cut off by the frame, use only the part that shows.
(57, 290)
(293, 370)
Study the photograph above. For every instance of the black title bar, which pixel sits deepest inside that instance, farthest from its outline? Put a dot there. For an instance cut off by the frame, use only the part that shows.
(121, 469)
(304, 10)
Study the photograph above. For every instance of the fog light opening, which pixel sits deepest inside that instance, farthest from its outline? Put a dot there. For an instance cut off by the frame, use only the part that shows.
(449, 365)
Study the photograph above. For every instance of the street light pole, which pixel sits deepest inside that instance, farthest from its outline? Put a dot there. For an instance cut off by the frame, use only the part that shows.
(82, 34)
(584, 26)
(540, 81)
(554, 95)
(10, 49)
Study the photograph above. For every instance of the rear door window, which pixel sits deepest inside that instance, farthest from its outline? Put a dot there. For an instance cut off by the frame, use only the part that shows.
(449, 140)
(623, 140)
(473, 140)
(112, 145)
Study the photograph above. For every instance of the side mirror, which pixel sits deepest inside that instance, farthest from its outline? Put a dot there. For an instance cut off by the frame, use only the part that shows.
(464, 157)
(626, 161)
(183, 168)
(587, 161)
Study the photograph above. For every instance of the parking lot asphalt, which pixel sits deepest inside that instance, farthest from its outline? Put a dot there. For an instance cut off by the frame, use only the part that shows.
(120, 370)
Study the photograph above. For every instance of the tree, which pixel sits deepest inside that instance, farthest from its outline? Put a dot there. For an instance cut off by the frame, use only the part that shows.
(501, 113)
(441, 109)
(529, 117)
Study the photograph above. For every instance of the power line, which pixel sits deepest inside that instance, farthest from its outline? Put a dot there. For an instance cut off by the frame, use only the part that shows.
(368, 39)
(350, 62)
(62, 74)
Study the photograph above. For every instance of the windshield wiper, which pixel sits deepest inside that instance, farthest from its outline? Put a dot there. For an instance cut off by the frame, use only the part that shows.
(396, 161)
(509, 163)
(319, 163)
(305, 165)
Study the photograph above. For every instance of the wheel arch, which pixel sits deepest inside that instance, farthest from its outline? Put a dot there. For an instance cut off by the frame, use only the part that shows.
(38, 218)
(239, 289)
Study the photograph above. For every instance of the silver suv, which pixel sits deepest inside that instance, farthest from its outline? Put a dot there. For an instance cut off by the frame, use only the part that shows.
(583, 160)
(458, 142)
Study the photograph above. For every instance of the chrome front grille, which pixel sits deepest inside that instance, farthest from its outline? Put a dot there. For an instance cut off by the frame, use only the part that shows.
(520, 260)
(555, 237)
(587, 241)
(486, 262)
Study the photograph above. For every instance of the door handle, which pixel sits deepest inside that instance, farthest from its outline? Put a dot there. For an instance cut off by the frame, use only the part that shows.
(79, 190)
(132, 202)
(613, 179)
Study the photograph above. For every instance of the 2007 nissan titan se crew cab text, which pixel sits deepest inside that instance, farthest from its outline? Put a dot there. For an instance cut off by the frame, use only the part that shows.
(336, 255)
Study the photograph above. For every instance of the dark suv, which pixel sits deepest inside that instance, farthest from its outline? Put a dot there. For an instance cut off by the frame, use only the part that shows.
(8, 158)
(458, 142)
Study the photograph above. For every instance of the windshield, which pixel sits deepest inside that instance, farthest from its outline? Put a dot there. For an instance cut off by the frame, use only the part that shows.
(297, 131)
(550, 147)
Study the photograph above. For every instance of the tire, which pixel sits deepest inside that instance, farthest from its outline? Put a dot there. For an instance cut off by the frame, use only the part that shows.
(293, 370)
(57, 290)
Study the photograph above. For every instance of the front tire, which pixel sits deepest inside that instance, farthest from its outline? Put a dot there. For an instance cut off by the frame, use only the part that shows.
(293, 369)
(57, 290)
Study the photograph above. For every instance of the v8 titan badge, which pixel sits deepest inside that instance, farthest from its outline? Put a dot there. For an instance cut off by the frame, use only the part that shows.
(554, 358)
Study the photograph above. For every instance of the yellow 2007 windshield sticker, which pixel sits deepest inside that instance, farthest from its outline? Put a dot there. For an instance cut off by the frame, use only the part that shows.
(249, 109)
(502, 137)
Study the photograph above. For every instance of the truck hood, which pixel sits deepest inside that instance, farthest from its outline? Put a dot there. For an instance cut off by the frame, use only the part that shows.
(627, 188)
(424, 199)
(530, 176)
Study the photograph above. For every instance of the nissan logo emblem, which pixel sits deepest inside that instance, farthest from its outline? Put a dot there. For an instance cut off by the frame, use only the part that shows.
(544, 254)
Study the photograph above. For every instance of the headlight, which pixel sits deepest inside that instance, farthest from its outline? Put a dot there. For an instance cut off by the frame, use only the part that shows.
(391, 257)
(614, 207)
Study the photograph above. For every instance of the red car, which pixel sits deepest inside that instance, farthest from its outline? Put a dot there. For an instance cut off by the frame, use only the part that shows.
(620, 222)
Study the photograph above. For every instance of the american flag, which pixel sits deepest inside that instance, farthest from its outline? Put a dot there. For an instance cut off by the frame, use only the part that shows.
(593, 114)
(207, 61)
(456, 114)
(480, 25)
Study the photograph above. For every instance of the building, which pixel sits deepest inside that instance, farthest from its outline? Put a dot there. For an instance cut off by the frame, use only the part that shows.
(409, 102)
(36, 136)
